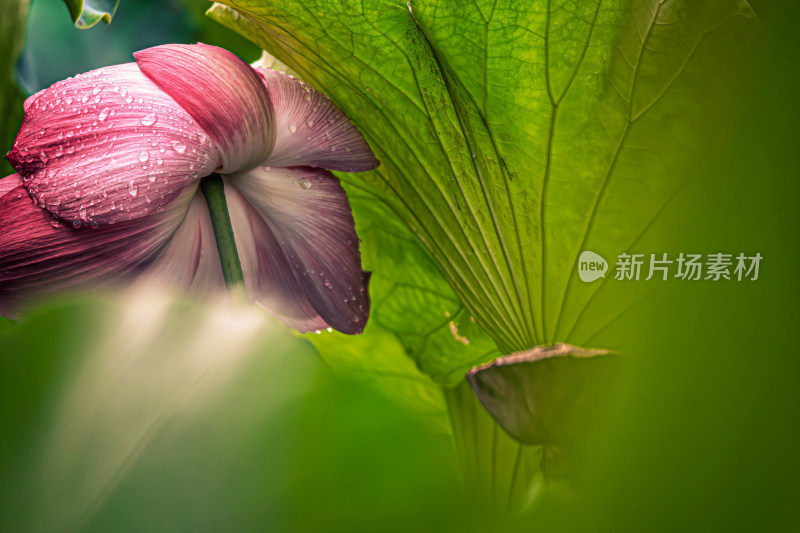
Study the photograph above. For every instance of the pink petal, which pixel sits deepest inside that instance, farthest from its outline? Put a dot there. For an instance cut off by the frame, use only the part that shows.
(309, 219)
(268, 277)
(311, 130)
(223, 94)
(191, 261)
(40, 255)
(108, 146)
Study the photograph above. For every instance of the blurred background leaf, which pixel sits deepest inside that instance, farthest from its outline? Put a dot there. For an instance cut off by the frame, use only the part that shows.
(12, 40)
(87, 13)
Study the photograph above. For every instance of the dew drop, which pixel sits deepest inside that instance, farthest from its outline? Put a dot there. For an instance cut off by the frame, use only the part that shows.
(160, 207)
(292, 128)
(178, 146)
(151, 178)
(149, 119)
(69, 100)
(96, 90)
(133, 190)
(266, 168)
(76, 223)
(103, 114)
(309, 123)
(305, 183)
(347, 149)
(144, 156)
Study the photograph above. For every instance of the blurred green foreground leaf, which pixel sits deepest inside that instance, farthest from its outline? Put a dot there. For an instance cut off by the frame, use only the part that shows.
(143, 413)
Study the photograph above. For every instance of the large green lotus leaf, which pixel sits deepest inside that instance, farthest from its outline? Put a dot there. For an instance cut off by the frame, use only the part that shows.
(12, 40)
(514, 135)
(87, 13)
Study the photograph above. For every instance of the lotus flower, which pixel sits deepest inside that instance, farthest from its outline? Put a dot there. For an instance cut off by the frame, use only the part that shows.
(113, 158)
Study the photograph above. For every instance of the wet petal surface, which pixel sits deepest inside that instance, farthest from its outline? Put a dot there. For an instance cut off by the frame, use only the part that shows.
(309, 219)
(222, 93)
(311, 130)
(108, 146)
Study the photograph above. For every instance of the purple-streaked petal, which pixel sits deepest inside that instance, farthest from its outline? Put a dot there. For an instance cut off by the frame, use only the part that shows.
(108, 146)
(191, 261)
(311, 130)
(223, 94)
(41, 255)
(307, 213)
(269, 279)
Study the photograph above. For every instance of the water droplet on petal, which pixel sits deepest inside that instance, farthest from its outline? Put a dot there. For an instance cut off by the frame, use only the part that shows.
(160, 207)
(309, 123)
(69, 100)
(76, 223)
(144, 156)
(178, 146)
(133, 190)
(103, 114)
(149, 119)
(305, 183)
(292, 128)
(151, 178)
(266, 168)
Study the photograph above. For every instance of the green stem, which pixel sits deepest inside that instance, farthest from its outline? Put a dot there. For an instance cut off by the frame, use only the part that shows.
(214, 191)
